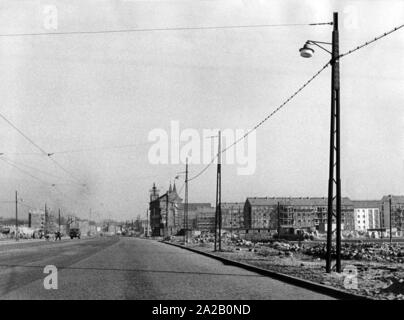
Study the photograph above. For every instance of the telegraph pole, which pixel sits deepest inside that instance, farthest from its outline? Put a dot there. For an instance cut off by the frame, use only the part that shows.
(186, 203)
(380, 224)
(279, 221)
(45, 222)
(16, 216)
(147, 223)
(334, 165)
(167, 213)
(231, 221)
(390, 219)
(218, 213)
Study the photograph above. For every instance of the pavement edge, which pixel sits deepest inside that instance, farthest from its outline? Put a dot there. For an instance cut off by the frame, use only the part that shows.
(306, 284)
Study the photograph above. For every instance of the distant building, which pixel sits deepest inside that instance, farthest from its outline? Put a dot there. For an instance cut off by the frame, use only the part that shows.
(165, 216)
(205, 221)
(232, 215)
(298, 213)
(144, 227)
(194, 209)
(397, 212)
(36, 219)
(367, 214)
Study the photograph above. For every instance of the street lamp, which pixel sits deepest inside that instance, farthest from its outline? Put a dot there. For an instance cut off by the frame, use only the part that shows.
(334, 166)
(185, 200)
(306, 51)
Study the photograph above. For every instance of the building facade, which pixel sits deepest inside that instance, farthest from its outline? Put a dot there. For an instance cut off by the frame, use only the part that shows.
(367, 215)
(165, 216)
(205, 220)
(36, 219)
(298, 213)
(232, 215)
(395, 204)
(194, 209)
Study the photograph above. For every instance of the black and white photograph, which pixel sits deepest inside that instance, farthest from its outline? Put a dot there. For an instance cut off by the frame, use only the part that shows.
(202, 154)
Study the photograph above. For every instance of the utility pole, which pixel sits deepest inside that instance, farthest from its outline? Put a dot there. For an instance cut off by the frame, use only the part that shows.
(16, 216)
(218, 213)
(45, 222)
(334, 165)
(390, 219)
(380, 224)
(231, 221)
(89, 221)
(186, 203)
(59, 219)
(167, 213)
(147, 223)
(279, 221)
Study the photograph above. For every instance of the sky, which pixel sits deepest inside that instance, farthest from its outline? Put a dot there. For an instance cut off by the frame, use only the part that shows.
(93, 99)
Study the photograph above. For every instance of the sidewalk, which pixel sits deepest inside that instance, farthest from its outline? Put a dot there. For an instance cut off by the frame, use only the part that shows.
(13, 241)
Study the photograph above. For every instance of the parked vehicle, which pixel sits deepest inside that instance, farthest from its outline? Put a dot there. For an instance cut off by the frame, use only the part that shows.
(75, 233)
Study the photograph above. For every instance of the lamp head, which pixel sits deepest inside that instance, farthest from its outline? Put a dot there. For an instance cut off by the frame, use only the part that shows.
(306, 51)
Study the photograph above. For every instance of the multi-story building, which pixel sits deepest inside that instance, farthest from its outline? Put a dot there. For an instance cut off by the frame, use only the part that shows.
(299, 213)
(396, 205)
(205, 221)
(260, 213)
(36, 219)
(194, 209)
(40, 220)
(367, 214)
(232, 215)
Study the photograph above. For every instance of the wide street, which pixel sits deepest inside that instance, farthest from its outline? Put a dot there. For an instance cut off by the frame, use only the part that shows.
(130, 268)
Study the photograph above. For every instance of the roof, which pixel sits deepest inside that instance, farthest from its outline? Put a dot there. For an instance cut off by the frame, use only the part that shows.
(195, 205)
(366, 204)
(395, 199)
(226, 205)
(308, 201)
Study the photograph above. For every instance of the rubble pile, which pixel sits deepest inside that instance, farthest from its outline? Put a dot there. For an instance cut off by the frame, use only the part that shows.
(369, 251)
(203, 238)
(227, 240)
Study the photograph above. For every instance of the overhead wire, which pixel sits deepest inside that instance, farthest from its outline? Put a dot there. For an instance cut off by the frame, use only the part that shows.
(248, 26)
(47, 154)
(292, 96)
(35, 169)
(261, 122)
(371, 41)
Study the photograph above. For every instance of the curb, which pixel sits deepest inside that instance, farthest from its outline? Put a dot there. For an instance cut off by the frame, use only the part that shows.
(306, 284)
(25, 241)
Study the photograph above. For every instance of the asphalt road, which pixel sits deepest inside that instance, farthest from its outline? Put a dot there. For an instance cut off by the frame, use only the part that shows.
(130, 268)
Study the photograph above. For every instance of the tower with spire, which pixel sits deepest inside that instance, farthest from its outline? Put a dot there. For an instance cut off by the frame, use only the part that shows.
(164, 211)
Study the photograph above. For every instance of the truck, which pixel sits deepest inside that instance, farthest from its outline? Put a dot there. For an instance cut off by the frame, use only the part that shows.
(74, 233)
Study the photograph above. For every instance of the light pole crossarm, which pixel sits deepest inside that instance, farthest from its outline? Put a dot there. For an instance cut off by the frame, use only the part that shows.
(317, 43)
